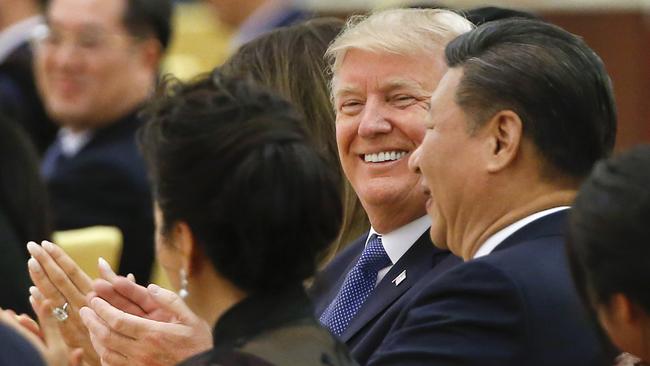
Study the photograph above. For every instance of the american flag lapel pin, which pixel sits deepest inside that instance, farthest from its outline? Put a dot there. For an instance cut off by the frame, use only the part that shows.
(400, 277)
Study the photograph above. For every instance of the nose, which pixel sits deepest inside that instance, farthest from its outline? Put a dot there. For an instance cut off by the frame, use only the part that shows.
(414, 160)
(374, 120)
(65, 55)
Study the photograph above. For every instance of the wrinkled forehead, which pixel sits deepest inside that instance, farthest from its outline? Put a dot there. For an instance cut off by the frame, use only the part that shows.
(448, 86)
(362, 70)
(79, 15)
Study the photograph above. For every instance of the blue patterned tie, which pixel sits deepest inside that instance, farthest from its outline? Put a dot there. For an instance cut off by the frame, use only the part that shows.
(356, 288)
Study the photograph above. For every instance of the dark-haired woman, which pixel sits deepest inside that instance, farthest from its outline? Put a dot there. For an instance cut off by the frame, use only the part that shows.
(609, 250)
(244, 204)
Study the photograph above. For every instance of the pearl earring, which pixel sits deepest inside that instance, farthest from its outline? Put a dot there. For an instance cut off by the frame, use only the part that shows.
(183, 291)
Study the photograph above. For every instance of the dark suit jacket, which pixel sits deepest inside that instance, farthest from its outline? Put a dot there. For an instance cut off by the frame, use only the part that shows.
(15, 350)
(19, 98)
(376, 316)
(515, 306)
(105, 183)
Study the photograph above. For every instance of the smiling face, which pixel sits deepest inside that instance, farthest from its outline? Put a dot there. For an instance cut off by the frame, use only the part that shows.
(88, 66)
(449, 162)
(382, 102)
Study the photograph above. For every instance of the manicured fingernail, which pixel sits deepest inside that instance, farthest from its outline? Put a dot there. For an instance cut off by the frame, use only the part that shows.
(83, 313)
(33, 291)
(31, 300)
(49, 247)
(153, 288)
(103, 265)
(131, 277)
(33, 247)
(33, 265)
(95, 302)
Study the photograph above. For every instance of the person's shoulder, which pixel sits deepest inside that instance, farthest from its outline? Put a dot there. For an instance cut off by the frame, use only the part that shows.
(531, 260)
(15, 350)
(304, 342)
(224, 358)
(473, 274)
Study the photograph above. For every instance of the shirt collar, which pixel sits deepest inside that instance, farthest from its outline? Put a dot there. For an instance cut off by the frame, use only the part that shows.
(493, 241)
(72, 142)
(398, 242)
(17, 34)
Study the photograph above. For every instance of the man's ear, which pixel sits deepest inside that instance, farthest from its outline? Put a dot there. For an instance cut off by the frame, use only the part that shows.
(504, 134)
(151, 53)
(624, 310)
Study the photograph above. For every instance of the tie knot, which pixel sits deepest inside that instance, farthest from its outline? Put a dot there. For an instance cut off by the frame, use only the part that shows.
(374, 255)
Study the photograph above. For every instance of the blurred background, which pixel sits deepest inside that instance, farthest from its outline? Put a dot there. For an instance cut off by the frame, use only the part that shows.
(207, 32)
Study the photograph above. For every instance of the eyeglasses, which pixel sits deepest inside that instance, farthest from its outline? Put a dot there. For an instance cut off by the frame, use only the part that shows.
(88, 41)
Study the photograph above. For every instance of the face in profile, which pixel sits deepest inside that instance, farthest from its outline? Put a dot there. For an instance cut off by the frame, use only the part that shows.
(382, 101)
(86, 62)
(448, 162)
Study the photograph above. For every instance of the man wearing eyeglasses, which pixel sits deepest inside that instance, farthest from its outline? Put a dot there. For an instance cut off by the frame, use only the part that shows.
(96, 62)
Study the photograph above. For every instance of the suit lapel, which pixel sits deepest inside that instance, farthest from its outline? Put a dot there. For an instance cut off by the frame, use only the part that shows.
(416, 261)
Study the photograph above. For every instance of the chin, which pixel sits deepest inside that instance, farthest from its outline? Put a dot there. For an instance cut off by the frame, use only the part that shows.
(438, 240)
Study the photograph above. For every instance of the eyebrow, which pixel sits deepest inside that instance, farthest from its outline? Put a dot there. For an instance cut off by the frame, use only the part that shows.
(346, 90)
(386, 86)
(400, 83)
(84, 28)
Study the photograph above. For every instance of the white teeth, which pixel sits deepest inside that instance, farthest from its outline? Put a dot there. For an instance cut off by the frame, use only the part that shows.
(384, 156)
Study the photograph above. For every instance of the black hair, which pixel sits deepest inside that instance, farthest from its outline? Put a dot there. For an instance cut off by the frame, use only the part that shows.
(609, 234)
(143, 18)
(232, 161)
(486, 14)
(550, 78)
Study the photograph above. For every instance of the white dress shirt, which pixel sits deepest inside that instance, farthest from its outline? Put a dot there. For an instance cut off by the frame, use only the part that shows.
(72, 142)
(399, 241)
(493, 241)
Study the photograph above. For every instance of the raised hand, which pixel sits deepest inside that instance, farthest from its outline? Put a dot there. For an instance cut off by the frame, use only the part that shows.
(121, 338)
(60, 280)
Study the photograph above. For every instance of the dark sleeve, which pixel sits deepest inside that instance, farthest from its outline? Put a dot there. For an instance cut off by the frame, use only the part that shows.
(224, 358)
(14, 277)
(471, 315)
(15, 350)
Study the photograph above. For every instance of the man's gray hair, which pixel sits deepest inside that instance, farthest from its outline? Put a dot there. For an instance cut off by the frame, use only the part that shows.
(399, 31)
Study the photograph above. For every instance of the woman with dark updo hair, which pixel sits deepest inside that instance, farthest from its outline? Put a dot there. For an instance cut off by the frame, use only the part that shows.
(609, 249)
(244, 203)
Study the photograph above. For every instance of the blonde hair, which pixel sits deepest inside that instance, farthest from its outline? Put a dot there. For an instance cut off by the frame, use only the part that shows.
(282, 60)
(398, 31)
